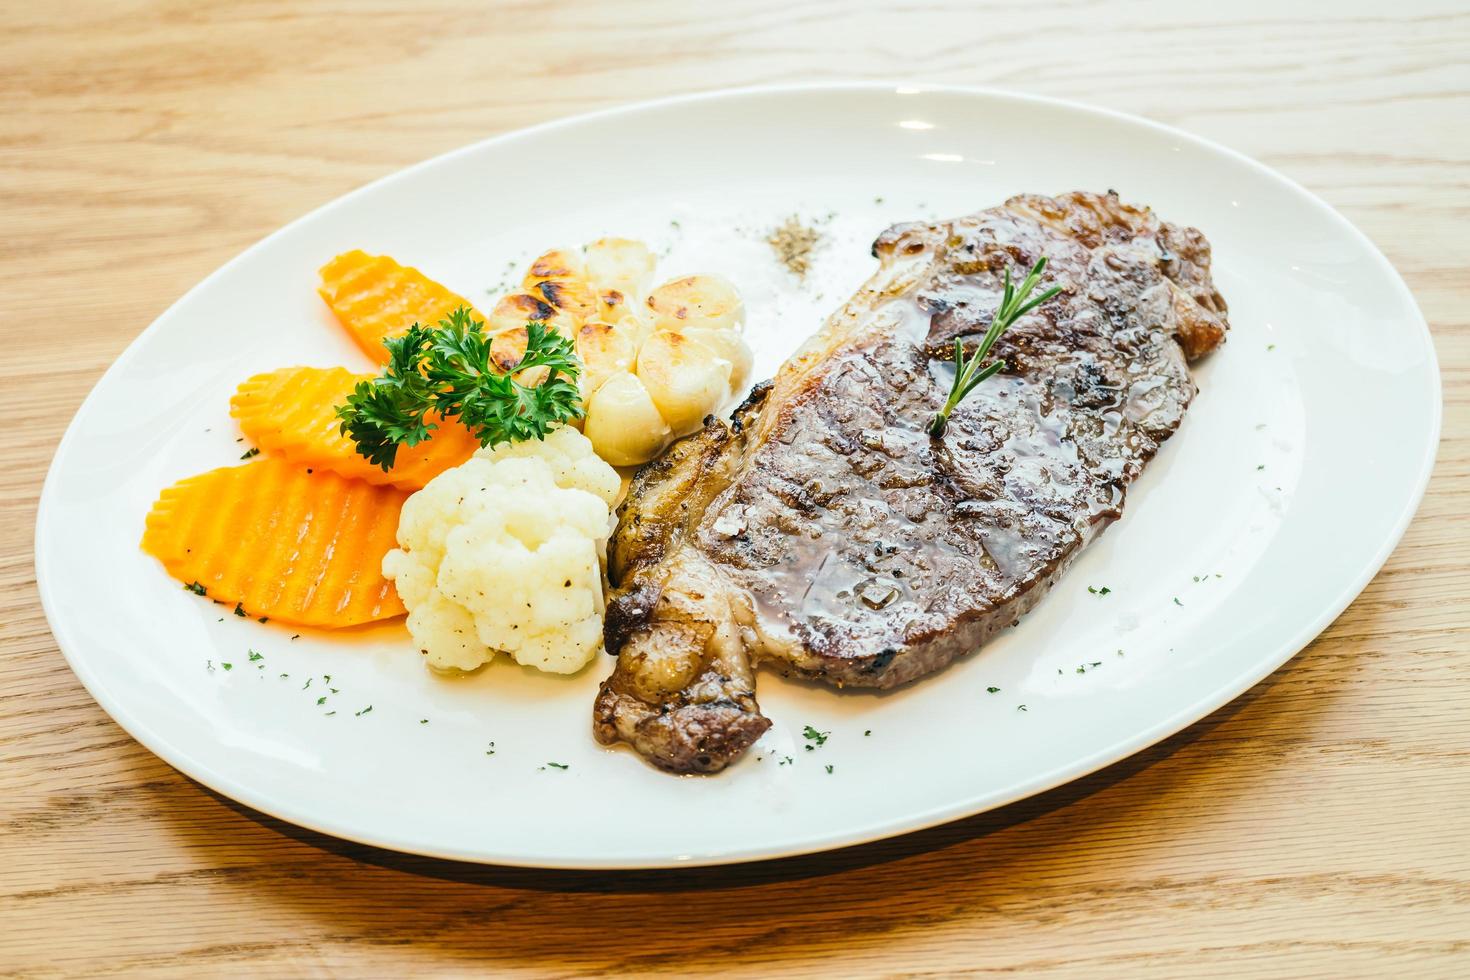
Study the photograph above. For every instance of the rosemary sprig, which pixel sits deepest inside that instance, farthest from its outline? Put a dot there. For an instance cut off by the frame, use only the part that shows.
(969, 373)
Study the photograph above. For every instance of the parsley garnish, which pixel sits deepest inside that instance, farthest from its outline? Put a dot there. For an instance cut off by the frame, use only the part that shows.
(226, 666)
(240, 610)
(968, 372)
(558, 765)
(321, 700)
(1177, 602)
(196, 588)
(1102, 591)
(252, 451)
(364, 711)
(992, 690)
(813, 736)
(829, 770)
(255, 656)
(447, 370)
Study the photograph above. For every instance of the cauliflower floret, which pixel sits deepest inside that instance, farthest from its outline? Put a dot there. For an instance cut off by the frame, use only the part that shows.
(504, 553)
(573, 461)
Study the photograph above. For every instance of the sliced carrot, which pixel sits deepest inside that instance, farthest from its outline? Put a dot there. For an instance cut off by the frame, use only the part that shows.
(376, 298)
(278, 541)
(292, 413)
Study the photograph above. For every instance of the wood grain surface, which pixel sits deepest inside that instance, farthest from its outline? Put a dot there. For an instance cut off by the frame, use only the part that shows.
(1319, 826)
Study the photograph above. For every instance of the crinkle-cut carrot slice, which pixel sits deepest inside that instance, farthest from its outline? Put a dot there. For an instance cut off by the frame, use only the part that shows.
(376, 298)
(292, 413)
(299, 547)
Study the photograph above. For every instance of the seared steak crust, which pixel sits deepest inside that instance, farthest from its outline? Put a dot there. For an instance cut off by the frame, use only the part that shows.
(824, 532)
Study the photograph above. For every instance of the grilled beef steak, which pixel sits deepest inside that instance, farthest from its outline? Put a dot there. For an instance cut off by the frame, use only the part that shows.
(823, 532)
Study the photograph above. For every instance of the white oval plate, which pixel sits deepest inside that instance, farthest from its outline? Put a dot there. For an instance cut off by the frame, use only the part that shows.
(1290, 481)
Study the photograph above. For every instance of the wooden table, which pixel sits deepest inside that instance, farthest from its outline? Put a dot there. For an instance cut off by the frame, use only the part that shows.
(1319, 826)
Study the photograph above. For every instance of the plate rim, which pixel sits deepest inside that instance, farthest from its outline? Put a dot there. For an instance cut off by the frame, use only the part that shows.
(1182, 717)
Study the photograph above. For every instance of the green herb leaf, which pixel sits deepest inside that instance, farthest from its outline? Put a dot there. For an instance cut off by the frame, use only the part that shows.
(448, 370)
(196, 588)
(970, 372)
(812, 735)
